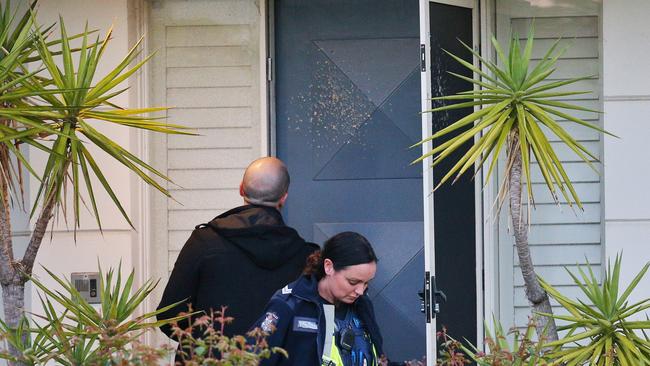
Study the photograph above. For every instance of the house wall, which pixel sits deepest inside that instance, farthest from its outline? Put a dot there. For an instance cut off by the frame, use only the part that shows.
(626, 50)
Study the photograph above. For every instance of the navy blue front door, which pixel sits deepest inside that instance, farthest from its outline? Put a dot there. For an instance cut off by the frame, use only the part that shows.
(347, 110)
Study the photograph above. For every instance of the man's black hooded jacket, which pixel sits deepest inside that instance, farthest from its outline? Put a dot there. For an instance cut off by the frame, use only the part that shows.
(238, 260)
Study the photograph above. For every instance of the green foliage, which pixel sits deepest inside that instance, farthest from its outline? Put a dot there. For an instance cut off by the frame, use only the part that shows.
(18, 43)
(73, 332)
(524, 350)
(450, 351)
(15, 337)
(79, 99)
(607, 331)
(82, 334)
(60, 107)
(514, 102)
(52, 98)
(203, 343)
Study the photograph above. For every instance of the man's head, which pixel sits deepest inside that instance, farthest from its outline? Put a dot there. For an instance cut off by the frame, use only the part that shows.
(265, 183)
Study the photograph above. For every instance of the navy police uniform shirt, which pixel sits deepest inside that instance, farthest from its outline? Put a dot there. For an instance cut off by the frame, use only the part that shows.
(295, 319)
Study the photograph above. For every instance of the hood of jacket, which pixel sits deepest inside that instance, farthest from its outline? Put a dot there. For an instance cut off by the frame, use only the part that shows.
(260, 232)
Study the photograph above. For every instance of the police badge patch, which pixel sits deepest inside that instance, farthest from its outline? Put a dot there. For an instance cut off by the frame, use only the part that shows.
(270, 321)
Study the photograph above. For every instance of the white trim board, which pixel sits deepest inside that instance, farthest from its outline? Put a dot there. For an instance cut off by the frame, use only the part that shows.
(625, 98)
(478, 198)
(266, 78)
(139, 98)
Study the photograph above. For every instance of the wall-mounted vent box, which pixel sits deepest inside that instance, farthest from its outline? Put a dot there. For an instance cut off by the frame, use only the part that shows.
(87, 283)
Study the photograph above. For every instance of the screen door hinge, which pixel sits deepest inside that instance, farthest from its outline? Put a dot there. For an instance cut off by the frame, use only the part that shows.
(269, 69)
(423, 58)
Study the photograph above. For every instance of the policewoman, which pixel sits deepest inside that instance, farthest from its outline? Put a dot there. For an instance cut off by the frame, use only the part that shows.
(325, 317)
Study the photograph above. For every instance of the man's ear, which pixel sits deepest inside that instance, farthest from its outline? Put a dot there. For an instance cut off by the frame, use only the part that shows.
(241, 189)
(283, 200)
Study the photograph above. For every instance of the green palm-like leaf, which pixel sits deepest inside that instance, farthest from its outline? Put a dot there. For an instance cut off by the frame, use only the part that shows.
(77, 101)
(512, 104)
(603, 333)
(59, 107)
(17, 42)
(74, 336)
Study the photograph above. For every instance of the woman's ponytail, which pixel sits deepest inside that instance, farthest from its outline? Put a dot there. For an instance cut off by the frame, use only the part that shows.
(314, 265)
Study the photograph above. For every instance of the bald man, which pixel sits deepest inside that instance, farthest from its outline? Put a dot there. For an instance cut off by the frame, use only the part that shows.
(242, 256)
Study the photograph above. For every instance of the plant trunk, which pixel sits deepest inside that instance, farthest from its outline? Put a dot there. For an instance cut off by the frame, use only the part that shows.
(40, 227)
(11, 278)
(15, 274)
(536, 295)
(13, 300)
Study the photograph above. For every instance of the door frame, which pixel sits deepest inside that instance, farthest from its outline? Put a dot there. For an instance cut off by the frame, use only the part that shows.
(482, 192)
(427, 179)
(487, 286)
(489, 187)
(269, 6)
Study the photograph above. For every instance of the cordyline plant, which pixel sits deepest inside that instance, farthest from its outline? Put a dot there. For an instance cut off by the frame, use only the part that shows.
(610, 330)
(58, 110)
(83, 334)
(513, 102)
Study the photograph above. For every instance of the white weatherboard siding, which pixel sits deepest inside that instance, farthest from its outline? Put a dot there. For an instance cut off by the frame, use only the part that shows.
(559, 235)
(626, 50)
(208, 71)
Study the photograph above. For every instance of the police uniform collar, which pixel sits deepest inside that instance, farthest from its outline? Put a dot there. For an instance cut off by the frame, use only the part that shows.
(305, 287)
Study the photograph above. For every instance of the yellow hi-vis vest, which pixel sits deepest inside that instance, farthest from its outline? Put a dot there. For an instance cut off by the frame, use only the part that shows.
(334, 358)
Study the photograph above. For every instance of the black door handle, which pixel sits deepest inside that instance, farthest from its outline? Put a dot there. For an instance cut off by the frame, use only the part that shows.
(428, 304)
(437, 295)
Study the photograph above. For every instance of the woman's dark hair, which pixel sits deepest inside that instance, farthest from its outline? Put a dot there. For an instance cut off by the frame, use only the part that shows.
(344, 249)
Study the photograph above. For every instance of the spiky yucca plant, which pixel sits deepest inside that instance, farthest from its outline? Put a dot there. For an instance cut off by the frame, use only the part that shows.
(84, 334)
(512, 102)
(610, 330)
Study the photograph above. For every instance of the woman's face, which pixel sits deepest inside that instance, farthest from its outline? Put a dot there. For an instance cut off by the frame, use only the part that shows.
(347, 284)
